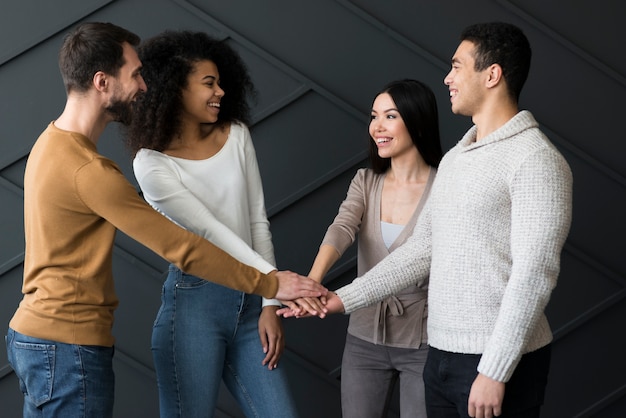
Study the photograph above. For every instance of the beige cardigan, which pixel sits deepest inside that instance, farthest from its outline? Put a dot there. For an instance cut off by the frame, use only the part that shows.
(399, 320)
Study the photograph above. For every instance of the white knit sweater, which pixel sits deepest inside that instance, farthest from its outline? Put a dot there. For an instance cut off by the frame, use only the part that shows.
(491, 237)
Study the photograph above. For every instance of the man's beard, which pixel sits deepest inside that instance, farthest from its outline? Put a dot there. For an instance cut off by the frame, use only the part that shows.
(121, 111)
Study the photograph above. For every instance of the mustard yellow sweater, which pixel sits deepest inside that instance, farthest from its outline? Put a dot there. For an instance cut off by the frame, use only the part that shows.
(74, 200)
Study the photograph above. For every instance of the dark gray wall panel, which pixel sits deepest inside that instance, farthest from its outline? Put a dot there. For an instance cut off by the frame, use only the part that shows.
(574, 296)
(583, 355)
(597, 227)
(29, 43)
(324, 201)
(12, 226)
(316, 66)
(25, 23)
(315, 137)
(24, 115)
(135, 389)
(10, 292)
(10, 396)
(589, 26)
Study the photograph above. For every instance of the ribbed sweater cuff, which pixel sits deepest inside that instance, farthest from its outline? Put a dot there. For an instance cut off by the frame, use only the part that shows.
(497, 367)
(351, 299)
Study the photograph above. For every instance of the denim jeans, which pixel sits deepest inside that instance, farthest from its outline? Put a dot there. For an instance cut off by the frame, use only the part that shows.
(204, 333)
(369, 373)
(62, 380)
(448, 378)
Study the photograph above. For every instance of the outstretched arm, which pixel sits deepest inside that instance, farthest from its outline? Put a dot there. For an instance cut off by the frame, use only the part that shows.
(339, 236)
(293, 286)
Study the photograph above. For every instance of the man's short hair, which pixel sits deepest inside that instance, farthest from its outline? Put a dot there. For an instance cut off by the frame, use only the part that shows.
(92, 47)
(503, 44)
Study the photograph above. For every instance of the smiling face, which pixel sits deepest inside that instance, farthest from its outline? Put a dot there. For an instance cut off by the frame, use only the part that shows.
(387, 128)
(126, 86)
(464, 82)
(202, 95)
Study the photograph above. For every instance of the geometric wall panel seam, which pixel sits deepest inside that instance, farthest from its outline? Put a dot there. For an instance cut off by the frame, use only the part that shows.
(598, 308)
(584, 55)
(11, 250)
(17, 23)
(584, 156)
(271, 59)
(388, 32)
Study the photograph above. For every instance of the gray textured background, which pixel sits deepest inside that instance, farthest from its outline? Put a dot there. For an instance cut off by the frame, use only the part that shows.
(317, 65)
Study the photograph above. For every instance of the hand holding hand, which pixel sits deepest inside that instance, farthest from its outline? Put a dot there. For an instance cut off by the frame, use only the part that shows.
(485, 399)
(304, 307)
(332, 304)
(293, 286)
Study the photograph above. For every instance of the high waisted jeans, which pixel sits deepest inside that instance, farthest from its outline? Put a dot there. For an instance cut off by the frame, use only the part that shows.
(62, 380)
(204, 333)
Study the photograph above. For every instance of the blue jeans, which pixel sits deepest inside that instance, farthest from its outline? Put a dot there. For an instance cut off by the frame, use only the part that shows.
(369, 373)
(204, 333)
(448, 378)
(62, 380)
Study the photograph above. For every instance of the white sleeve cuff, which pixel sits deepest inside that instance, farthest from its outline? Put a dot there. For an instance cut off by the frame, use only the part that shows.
(270, 302)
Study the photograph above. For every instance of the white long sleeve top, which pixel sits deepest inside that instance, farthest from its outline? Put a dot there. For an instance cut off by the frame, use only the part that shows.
(491, 236)
(219, 198)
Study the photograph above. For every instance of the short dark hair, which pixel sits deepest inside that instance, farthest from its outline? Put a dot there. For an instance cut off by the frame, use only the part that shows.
(417, 106)
(168, 59)
(503, 44)
(92, 47)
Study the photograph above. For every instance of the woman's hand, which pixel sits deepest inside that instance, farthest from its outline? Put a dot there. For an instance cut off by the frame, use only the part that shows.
(327, 305)
(304, 307)
(272, 336)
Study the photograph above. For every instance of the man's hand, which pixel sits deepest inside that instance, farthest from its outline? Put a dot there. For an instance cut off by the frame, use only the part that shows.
(334, 303)
(293, 286)
(272, 336)
(485, 399)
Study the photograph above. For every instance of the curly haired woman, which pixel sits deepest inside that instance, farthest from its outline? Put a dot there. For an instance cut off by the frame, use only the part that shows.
(195, 162)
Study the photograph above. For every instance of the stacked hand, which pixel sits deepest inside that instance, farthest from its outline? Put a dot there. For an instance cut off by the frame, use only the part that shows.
(293, 286)
(308, 306)
(290, 286)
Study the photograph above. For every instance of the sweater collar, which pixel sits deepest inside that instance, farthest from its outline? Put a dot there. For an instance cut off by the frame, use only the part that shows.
(81, 139)
(522, 121)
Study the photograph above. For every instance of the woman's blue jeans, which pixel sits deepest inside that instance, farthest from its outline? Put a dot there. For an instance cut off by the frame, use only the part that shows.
(62, 380)
(204, 333)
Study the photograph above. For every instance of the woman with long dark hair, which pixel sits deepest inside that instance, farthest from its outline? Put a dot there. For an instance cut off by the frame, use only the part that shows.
(386, 342)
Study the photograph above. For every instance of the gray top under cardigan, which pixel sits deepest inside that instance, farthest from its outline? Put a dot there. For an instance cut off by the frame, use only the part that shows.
(399, 320)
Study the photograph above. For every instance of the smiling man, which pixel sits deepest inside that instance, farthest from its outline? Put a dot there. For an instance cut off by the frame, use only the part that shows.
(59, 341)
(490, 238)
